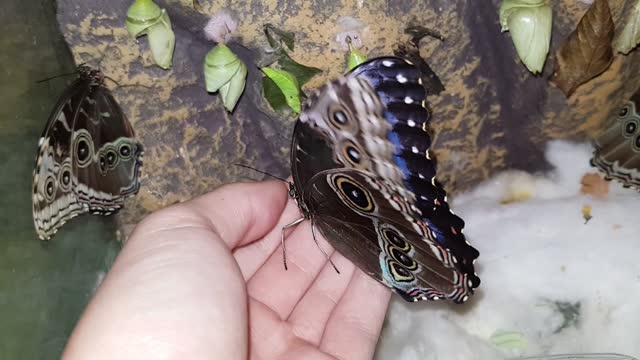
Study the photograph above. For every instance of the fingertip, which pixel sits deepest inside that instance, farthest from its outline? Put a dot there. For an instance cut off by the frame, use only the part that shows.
(242, 212)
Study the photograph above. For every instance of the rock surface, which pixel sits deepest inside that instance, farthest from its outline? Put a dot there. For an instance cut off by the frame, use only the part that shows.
(492, 115)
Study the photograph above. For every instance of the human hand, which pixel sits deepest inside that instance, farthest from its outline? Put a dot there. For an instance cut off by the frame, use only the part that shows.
(204, 279)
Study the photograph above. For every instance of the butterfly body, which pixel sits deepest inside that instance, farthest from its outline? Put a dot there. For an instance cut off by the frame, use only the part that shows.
(88, 158)
(617, 149)
(363, 176)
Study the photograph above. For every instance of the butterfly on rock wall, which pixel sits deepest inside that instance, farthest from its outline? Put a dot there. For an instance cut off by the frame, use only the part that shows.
(617, 149)
(363, 176)
(88, 157)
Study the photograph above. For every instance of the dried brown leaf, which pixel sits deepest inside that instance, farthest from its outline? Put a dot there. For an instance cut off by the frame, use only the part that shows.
(587, 52)
(593, 184)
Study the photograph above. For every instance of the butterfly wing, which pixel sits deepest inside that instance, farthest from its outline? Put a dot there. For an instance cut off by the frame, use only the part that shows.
(617, 149)
(399, 85)
(83, 129)
(54, 202)
(107, 157)
(345, 128)
(363, 222)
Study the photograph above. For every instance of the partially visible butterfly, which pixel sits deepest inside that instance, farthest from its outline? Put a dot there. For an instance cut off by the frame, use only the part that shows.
(88, 157)
(362, 175)
(617, 149)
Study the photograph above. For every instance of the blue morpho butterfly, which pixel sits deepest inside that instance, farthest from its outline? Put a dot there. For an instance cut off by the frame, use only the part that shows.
(617, 149)
(88, 157)
(362, 175)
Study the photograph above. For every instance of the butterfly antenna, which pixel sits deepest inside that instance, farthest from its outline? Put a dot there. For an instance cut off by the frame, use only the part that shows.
(313, 233)
(112, 80)
(55, 77)
(126, 85)
(262, 172)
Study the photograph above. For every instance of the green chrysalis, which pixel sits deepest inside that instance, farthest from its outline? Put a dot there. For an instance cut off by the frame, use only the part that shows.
(145, 17)
(356, 57)
(529, 22)
(225, 72)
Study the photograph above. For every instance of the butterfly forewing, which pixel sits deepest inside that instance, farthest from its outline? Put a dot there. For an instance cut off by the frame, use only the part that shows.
(399, 86)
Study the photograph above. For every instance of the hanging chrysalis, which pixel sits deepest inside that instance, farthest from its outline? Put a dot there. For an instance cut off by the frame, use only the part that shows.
(288, 84)
(145, 17)
(529, 22)
(356, 57)
(223, 70)
(630, 35)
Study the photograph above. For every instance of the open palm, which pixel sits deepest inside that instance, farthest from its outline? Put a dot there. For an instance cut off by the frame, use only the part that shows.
(204, 280)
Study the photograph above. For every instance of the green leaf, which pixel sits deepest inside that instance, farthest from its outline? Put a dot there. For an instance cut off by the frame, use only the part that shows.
(301, 72)
(273, 94)
(286, 37)
(288, 84)
(508, 340)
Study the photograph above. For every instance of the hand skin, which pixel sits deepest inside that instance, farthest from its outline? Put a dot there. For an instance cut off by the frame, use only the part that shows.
(204, 279)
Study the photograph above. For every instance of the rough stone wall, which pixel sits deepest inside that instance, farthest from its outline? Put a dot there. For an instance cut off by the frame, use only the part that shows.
(493, 114)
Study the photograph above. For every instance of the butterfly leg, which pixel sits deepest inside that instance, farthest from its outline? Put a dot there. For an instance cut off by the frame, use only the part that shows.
(284, 249)
(313, 233)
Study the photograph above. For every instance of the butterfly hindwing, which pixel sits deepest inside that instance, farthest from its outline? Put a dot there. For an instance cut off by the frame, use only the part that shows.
(54, 202)
(617, 149)
(390, 245)
(107, 157)
(67, 180)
